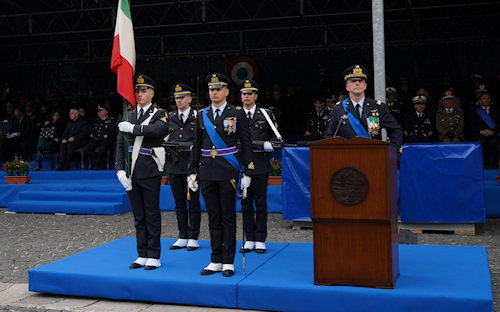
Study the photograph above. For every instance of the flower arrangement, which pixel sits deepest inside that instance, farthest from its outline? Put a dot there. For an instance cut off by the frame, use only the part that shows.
(17, 167)
(275, 167)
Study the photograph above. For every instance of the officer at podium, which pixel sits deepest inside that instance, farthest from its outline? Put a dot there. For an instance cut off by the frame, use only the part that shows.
(360, 116)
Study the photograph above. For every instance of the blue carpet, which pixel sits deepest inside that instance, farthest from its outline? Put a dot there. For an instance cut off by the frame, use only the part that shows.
(433, 278)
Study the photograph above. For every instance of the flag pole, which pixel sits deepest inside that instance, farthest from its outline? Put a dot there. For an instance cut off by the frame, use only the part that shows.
(125, 139)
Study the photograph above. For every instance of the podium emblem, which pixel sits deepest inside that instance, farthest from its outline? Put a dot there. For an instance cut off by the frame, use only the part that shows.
(349, 186)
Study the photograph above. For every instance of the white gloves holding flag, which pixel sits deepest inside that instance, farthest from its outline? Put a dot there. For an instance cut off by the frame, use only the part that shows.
(245, 184)
(126, 182)
(268, 147)
(126, 127)
(192, 183)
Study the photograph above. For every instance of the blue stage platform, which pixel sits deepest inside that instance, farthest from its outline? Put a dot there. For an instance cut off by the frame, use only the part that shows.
(433, 278)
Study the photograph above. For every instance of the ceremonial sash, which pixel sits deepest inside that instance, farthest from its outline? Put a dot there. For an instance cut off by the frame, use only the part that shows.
(218, 142)
(485, 117)
(355, 123)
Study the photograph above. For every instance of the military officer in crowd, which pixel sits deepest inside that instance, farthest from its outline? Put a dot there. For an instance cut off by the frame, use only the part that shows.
(450, 120)
(485, 126)
(419, 125)
(181, 125)
(101, 137)
(216, 164)
(361, 116)
(255, 221)
(316, 121)
(75, 136)
(147, 127)
(393, 104)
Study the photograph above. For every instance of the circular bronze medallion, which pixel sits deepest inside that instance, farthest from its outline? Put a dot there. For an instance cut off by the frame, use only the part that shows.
(349, 186)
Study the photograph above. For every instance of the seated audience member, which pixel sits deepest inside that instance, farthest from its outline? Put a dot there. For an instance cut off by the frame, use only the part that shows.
(485, 124)
(450, 121)
(17, 139)
(419, 125)
(393, 104)
(101, 137)
(316, 121)
(75, 136)
(46, 141)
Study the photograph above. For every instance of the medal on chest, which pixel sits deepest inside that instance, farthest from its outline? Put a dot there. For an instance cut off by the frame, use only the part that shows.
(230, 125)
(373, 123)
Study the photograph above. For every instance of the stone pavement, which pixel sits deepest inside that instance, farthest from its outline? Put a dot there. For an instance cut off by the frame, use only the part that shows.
(30, 240)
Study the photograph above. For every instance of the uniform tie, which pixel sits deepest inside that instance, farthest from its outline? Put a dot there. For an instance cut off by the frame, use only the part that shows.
(249, 114)
(419, 115)
(358, 111)
(217, 114)
(141, 112)
(181, 116)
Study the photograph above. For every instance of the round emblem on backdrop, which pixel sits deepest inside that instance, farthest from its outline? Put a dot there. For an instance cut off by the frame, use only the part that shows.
(349, 186)
(243, 68)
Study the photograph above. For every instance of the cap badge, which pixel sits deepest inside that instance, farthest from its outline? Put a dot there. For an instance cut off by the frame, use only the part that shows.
(140, 79)
(248, 84)
(357, 71)
(178, 88)
(214, 78)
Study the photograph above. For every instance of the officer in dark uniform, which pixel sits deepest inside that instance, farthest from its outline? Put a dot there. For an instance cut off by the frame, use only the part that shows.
(181, 125)
(316, 121)
(419, 126)
(361, 116)
(216, 163)
(147, 126)
(393, 104)
(75, 136)
(255, 222)
(101, 137)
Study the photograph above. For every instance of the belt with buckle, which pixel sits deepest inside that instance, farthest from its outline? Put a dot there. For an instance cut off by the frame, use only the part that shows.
(143, 151)
(218, 152)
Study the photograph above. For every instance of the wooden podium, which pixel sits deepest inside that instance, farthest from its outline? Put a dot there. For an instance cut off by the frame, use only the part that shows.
(354, 212)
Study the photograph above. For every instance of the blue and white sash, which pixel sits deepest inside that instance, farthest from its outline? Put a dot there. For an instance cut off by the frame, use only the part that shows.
(218, 142)
(355, 123)
(485, 117)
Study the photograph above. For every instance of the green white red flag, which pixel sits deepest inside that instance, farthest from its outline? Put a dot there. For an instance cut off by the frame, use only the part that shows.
(123, 56)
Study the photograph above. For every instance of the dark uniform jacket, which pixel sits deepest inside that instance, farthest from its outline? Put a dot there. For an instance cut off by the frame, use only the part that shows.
(178, 157)
(22, 126)
(79, 129)
(261, 131)
(477, 124)
(316, 124)
(154, 132)
(103, 129)
(218, 168)
(370, 107)
(418, 129)
(396, 111)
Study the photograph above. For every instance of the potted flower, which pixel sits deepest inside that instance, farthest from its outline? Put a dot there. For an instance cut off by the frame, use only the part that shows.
(164, 177)
(17, 171)
(275, 177)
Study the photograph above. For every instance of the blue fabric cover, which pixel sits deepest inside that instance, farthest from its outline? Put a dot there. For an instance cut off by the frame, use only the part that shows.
(296, 186)
(442, 183)
(433, 278)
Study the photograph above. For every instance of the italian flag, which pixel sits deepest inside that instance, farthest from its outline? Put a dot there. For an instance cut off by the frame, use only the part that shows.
(123, 57)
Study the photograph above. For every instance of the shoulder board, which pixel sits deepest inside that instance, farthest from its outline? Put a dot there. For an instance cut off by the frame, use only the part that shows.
(379, 102)
(238, 107)
(338, 103)
(164, 118)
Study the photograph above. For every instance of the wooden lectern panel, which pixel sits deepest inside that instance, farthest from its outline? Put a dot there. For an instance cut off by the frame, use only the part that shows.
(355, 216)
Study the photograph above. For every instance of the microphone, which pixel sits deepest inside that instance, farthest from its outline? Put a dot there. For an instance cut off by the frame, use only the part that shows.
(338, 126)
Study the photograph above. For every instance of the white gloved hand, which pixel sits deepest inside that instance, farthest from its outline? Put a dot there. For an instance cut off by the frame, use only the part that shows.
(192, 183)
(126, 182)
(245, 184)
(126, 127)
(268, 147)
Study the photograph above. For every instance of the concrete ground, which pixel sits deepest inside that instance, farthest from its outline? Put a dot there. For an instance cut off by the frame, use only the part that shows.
(30, 240)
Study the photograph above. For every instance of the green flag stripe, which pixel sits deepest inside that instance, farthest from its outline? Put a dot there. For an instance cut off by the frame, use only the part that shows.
(124, 6)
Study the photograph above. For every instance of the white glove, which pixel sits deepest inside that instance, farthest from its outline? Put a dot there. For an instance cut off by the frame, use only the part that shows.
(192, 183)
(126, 127)
(268, 147)
(126, 182)
(245, 184)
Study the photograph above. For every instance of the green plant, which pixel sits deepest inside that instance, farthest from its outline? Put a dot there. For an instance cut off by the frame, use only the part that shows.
(275, 167)
(17, 167)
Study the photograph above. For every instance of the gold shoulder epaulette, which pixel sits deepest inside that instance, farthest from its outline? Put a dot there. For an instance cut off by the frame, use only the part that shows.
(164, 118)
(238, 107)
(379, 102)
(338, 103)
(200, 110)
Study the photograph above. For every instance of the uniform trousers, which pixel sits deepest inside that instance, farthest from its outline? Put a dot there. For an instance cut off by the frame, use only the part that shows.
(144, 199)
(220, 201)
(66, 151)
(96, 150)
(255, 222)
(188, 222)
(489, 145)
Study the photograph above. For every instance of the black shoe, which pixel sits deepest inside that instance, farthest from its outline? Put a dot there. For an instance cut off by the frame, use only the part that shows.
(175, 247)
(245, 250)
(260, 251)
(135, 266)
(208, 272)
(150, 267)
(227, 273)
(189, 248)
